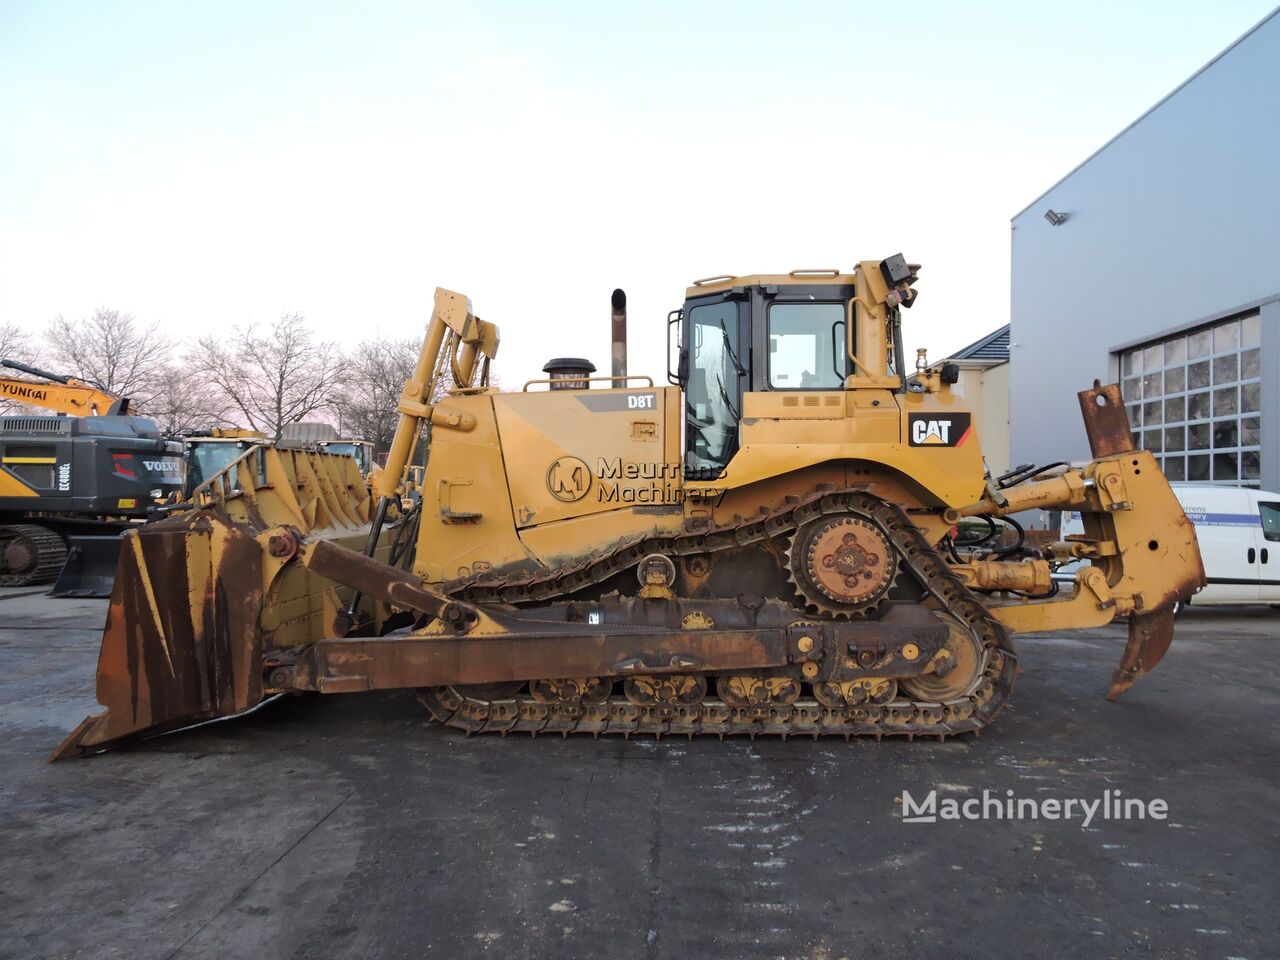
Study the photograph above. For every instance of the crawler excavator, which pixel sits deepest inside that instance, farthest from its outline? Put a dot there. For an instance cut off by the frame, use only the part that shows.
(762, 546)
(70, 484)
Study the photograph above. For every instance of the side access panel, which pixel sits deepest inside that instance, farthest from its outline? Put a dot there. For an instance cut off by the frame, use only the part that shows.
(929, 439)
(467, 525)
(570, 453)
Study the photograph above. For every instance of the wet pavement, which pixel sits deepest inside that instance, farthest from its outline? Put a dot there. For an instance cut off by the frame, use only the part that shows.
(350, 827)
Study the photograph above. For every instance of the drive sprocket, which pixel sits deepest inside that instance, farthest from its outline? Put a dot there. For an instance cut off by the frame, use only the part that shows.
(843, 566)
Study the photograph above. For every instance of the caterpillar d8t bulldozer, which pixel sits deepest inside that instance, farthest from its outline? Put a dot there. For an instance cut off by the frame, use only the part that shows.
(766, 546)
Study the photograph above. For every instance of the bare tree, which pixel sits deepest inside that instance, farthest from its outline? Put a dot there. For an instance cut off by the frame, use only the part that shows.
(376, 373)
(111, 349)
(371, 385)
(185, 400)
(267, 380)
(15, 344)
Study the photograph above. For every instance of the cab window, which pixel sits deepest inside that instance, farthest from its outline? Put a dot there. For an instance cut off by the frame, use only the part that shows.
(205, 460)
(713, 394)
(1270, 520)
(807, 346)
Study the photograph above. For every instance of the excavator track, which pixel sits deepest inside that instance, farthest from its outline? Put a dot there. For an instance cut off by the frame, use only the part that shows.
(519, 712)
(31, 554)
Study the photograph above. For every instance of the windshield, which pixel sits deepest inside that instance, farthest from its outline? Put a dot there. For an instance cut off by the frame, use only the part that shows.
(208, 459)
(713, 394)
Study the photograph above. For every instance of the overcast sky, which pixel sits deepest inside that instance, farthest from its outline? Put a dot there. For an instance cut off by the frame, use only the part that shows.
(206, 165)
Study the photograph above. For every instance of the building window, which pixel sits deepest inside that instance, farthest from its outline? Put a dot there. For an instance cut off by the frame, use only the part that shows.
(1195, 401)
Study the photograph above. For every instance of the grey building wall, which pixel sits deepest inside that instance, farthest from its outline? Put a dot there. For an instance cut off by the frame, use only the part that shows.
(1173, 223)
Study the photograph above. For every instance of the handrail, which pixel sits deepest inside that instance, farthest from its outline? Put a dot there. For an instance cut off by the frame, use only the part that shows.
(819, 272)
(721, 276)
(630, 376)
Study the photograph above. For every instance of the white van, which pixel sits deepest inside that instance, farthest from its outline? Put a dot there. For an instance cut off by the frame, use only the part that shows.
(1239, 534)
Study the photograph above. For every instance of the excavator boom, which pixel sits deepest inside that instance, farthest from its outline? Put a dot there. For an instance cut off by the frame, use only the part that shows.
(60, 394)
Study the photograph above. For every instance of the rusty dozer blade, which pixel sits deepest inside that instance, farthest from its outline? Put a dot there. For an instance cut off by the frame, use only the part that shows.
(198, 593)
(181, 642)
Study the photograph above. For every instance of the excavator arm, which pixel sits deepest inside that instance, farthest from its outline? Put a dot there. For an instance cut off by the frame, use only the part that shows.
(60, 394)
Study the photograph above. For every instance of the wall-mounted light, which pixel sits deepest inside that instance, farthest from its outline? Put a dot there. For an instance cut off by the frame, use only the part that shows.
(1055, 218)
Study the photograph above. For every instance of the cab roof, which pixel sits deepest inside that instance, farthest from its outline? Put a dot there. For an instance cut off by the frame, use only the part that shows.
(722, 282)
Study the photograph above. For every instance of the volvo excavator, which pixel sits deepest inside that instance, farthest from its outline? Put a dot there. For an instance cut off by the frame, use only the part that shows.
(765, 545)
(70, 484)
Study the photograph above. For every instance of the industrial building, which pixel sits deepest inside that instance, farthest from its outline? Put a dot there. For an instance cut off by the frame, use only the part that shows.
(1156, 262)
(984, 385)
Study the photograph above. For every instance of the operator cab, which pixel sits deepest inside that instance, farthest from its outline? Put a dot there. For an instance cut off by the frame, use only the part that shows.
(796, 332)
(360, 450)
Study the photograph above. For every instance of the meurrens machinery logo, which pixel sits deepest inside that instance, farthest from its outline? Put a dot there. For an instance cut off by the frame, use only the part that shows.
(992, 805)
(630, 483)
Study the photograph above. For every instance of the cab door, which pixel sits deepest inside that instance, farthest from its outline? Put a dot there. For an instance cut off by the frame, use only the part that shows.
(715, 367)
(1269, 550)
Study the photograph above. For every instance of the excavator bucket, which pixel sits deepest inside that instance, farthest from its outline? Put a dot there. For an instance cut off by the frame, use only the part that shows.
(90, 567)
(197, 593)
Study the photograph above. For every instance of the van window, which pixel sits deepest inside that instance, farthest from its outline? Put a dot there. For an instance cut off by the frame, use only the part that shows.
(1270, 520)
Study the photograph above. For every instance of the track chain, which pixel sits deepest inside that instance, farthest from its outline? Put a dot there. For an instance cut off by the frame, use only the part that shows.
(50, 551)
(805, 717)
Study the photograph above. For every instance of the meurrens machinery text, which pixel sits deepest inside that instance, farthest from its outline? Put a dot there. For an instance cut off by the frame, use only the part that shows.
(617, 483)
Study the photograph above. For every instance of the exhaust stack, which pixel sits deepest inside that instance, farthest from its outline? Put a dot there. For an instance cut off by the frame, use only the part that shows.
(619, 337)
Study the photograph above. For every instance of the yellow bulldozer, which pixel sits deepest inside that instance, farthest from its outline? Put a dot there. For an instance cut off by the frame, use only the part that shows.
(765, 545)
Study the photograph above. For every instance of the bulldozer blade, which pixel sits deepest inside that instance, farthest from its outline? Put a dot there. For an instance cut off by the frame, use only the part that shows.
(1150, 635)
(182, 641)
(198, 594)
(90, 569)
